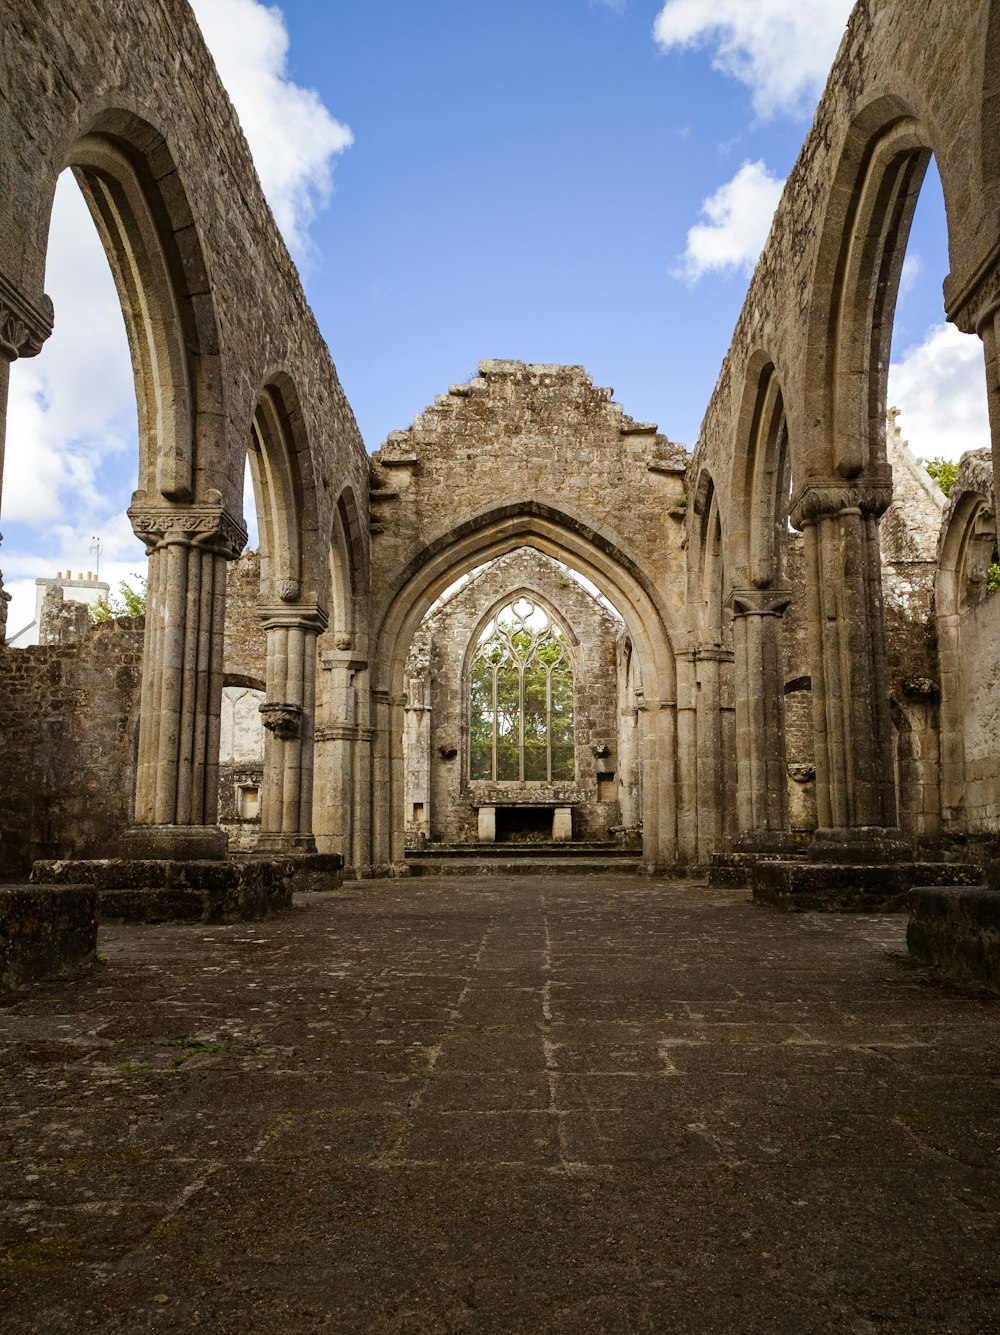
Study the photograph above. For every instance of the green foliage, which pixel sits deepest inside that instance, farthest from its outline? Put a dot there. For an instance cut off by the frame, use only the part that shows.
(993, 576)
(128, 602)
(944, 472)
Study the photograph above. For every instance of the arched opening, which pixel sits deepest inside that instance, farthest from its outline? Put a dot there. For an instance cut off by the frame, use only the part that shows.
(519, 720)
(611, 572)
(712, 745)
(343, 803)
(273, 624)
(761, 593)
(164, 302)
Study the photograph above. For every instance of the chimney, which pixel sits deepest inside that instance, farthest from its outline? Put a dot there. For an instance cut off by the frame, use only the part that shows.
(90, 574)
(58, 574)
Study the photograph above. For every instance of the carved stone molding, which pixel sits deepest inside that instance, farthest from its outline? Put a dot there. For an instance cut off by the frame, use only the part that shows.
(289, 590)
(759, 602)
(824, 500)
(207, 525)
(300, 617)
(24, 327)
(285, 721)
(973, 304)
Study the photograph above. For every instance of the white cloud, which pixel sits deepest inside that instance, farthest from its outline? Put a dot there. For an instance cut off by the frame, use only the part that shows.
(72, 409)
(939, 386)
(292, 135)
(781, 49)
(739, 218)
(913, 268)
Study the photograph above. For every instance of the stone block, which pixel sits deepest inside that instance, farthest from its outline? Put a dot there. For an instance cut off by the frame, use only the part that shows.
(45, 932)
(487, 825)
(163, 890)
(562, 825)
(956, 930)
(828, 887)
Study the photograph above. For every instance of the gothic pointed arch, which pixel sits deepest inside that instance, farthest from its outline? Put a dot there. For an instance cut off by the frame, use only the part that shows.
(139, 203)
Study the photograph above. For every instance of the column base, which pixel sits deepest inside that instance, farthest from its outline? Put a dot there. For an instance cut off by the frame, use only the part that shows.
(870, 845)
(176, 843)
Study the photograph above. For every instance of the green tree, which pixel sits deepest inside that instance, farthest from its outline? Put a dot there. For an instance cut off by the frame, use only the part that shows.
(944, 472)
(128, 602)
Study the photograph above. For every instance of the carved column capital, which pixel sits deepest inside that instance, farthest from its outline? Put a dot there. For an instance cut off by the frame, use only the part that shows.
(824, 500)
(758, 602)
(24, 327)
(301, 616)
(206, 524)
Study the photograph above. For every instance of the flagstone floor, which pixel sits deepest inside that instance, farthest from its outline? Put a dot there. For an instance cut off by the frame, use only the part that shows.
(487, 1104)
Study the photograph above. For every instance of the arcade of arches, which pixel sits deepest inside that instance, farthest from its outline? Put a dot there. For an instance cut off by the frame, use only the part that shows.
(527, 615)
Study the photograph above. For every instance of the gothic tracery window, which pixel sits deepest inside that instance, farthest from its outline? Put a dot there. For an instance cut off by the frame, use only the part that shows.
(521, 698)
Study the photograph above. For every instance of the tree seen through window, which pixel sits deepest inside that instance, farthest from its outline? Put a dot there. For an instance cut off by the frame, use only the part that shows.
(521, 698)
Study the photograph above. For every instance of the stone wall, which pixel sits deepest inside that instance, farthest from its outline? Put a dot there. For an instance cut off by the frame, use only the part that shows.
(69, 716)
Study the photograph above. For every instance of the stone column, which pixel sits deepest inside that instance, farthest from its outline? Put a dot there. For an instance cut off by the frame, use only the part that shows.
(713, 783)
(855, 789)
(761, 767)
(24, 327)
(177, 778)
(288, 714)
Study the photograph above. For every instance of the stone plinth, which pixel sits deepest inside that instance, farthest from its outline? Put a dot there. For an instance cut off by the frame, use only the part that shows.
(956, 930)
(562, 825)
(317, 871)
(45, 932)
(851, 887)
(162, 890)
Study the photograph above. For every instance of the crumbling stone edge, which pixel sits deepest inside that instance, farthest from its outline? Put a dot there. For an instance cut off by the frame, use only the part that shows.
(46, 932)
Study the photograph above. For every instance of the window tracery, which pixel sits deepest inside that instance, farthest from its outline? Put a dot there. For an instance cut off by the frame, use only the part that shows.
(521, 698)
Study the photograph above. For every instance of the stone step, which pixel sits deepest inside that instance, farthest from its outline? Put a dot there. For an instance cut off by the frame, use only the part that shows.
(510, 851)
(420, 865)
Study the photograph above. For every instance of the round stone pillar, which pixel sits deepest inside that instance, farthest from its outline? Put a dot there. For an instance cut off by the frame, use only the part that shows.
(289, 721)
(761, 768)
(855, 784)
(177, 774)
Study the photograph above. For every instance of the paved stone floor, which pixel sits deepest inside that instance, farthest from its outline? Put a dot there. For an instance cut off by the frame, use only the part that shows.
(548, 1104)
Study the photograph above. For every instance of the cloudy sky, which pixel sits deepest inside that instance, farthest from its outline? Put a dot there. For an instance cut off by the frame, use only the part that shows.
(583, 181)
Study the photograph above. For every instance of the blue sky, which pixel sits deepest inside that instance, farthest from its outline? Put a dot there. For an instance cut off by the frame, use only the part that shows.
(583, 181)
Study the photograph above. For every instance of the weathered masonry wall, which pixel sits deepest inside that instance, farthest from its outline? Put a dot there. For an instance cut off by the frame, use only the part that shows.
(517, 434)
(534, 455)
(69, 715)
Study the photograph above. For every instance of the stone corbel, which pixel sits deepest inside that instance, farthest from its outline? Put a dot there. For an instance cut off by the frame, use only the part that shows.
(284, 720)
(206, 524)
(24, 327)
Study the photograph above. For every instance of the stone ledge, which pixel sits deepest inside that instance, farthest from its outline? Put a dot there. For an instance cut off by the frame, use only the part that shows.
(829, 887)
(161, 890)
(45, 932)
(956, 930)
